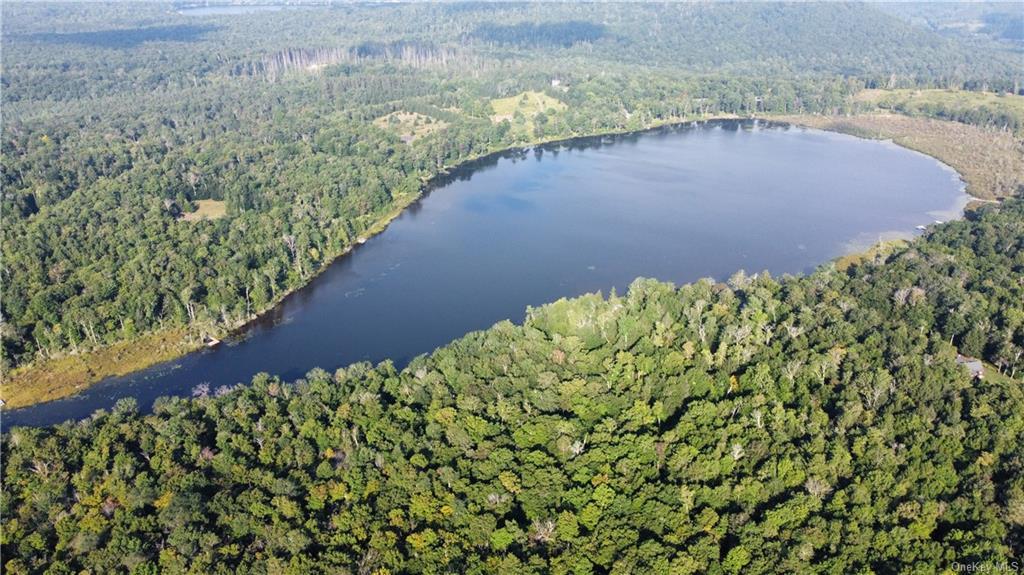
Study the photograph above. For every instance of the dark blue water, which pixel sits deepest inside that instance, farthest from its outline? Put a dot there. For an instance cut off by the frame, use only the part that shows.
(675, 205)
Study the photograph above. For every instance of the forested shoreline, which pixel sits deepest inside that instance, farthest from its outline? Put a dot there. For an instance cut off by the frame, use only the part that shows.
(329, 227)
(172, 174)
(105, 161)
(809, 424)
(149, 354)
(95, 365)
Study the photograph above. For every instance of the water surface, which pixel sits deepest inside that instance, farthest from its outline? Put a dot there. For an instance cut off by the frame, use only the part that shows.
(528, 228)
(230, 9)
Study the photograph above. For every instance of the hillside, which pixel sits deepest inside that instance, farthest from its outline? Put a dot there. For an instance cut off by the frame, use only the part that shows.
(817, 424)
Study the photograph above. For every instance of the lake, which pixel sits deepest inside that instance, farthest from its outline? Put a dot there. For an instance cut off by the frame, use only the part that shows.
(525, 228)
(231, 9)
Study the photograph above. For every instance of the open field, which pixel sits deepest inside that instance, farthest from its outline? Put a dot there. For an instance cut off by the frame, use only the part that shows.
(959, 98)
(984, 108)
(207, 210)
(56, 378)
(527, 103)
(409, 126)
(990, 161)
(521, 110)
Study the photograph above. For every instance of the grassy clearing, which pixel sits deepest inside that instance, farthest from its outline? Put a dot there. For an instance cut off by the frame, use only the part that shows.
(993, 377)
(521, 109)
(529, 104)
(923, 101)
(526, 103)
(990, 161)
(410, 126)
(56, 378)
(207, 210)
(878, 252)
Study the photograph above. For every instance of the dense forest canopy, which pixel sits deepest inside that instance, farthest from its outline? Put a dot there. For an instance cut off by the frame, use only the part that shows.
(813, 424)
(162, 170)
(1002, 21)
(749, 38)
